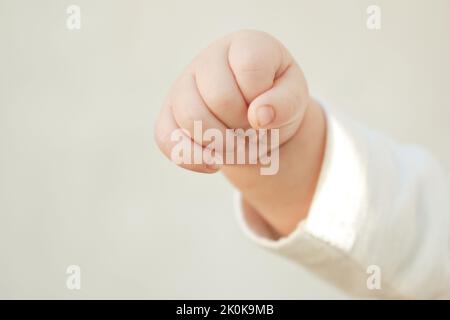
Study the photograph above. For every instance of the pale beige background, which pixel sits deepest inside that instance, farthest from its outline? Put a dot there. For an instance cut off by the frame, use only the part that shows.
(81, 181)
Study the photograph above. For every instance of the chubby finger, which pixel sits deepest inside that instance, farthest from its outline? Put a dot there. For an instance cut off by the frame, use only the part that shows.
(190, 111)
(218, 87)
(170, 138)
(256, 59)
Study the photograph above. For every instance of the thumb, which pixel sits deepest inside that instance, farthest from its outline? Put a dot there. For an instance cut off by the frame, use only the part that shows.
(284, 104)
(270, 81)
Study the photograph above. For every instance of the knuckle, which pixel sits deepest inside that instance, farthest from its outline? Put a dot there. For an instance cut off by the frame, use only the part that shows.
(247, 60)
(253, 51)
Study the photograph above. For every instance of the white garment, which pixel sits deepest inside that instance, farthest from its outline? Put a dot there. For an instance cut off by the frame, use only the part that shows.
(377, 203)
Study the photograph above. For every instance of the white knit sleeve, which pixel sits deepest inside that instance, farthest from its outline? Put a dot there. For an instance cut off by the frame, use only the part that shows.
(380, 210)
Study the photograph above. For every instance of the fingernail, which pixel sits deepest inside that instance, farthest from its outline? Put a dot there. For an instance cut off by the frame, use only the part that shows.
(265, 115)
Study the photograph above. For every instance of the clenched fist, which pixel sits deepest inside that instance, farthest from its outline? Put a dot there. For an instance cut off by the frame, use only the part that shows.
(248, 79)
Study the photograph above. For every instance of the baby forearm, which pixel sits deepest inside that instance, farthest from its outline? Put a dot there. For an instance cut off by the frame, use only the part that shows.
(283, 199)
